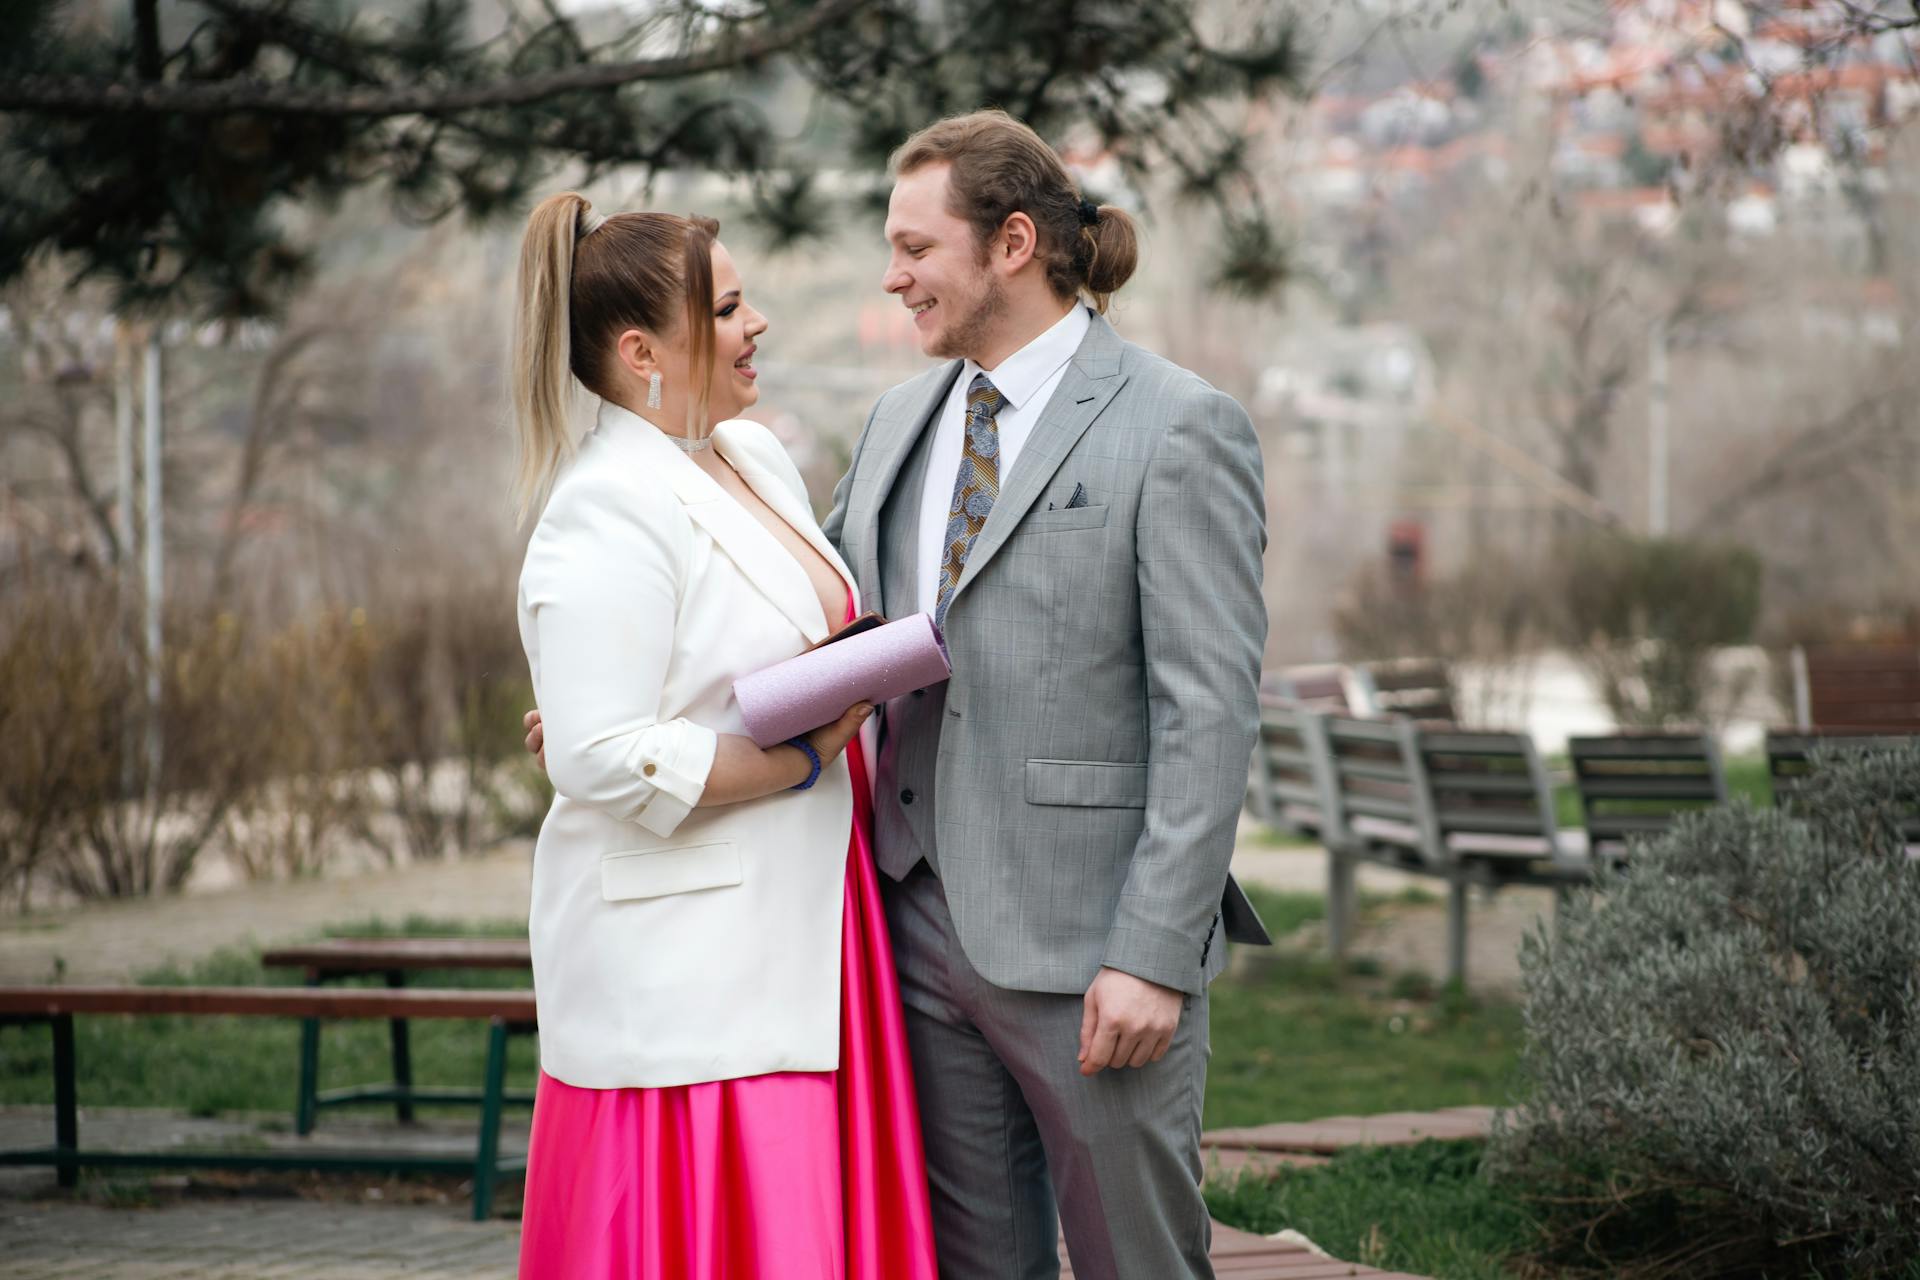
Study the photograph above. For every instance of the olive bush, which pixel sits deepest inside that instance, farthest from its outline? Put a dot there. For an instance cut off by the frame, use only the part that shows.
(1722, 1068)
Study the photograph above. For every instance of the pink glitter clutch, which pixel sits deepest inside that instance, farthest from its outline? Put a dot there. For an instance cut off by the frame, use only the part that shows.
(858, 664)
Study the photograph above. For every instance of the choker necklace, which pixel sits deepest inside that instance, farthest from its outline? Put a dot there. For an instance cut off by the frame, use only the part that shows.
(685, 445)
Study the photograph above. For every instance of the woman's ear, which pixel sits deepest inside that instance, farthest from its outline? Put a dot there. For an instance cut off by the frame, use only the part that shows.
(637, 353)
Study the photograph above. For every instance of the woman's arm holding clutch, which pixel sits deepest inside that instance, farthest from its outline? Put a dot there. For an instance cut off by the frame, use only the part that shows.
(600, 587)
(741, 770)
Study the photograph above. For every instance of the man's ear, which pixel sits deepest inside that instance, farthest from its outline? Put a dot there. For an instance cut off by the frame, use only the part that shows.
(1014, 247)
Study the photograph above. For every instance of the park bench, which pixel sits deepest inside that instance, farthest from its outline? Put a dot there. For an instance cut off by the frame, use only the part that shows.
(394, 959)
(1864, 688)
(1316, 686)
(1789, 761)
(1634, 786)
(1417, 688)
(57, 1007)
(1469, 807)
(1289, 786)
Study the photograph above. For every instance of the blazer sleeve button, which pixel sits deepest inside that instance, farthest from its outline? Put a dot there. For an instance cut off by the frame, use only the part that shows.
(906, 797)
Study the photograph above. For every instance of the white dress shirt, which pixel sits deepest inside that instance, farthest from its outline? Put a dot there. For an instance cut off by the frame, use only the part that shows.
(1026, 380)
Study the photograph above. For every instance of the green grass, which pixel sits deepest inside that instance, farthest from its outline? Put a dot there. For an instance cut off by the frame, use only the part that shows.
(1424, 1209)
(1296, 1038)
(210, 1065)
(1746, 776)
(1283, 912)
(1276, 838)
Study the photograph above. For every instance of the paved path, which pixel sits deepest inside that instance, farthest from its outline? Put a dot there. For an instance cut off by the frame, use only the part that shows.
(110, 942)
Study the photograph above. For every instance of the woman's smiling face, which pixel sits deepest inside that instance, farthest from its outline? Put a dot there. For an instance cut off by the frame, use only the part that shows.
(736, 326)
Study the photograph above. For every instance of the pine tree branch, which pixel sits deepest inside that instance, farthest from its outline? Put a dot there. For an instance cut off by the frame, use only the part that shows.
(74, 95)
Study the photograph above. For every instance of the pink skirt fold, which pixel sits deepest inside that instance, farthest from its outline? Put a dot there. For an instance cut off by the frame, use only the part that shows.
(790, 1176)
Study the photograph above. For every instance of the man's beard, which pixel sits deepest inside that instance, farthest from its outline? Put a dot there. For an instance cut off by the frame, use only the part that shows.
(966, 336)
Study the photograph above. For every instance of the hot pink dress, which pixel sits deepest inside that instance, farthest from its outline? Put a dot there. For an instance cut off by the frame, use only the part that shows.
(790, 1176)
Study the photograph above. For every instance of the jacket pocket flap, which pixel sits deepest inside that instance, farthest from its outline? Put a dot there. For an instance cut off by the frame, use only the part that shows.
(1065, 518)
(1093, 783)
(653, 873)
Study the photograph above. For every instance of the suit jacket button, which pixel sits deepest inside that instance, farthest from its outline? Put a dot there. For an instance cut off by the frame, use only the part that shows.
(906, 797)
(919, 693)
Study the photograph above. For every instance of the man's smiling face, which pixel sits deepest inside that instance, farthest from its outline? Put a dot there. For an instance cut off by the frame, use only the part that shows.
(938, 269)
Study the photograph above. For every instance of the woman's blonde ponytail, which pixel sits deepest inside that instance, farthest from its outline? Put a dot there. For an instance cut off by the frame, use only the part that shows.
(542, 356)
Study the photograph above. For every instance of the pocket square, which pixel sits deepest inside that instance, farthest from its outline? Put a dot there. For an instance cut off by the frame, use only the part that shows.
(1079, 498)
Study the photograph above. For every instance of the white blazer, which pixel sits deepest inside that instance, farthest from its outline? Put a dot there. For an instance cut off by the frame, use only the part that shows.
(674, 945)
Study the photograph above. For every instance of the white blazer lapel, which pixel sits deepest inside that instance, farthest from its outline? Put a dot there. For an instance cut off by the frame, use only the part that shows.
(788, 505)
(747, 542)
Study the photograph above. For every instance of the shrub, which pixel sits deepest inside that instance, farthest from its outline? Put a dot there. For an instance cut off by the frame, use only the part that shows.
(1495, 611)
(1723, 1044)
(397, 723)
(1646, 614)
(79, 802)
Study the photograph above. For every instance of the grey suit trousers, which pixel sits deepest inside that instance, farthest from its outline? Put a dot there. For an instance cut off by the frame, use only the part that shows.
(1012, 1127)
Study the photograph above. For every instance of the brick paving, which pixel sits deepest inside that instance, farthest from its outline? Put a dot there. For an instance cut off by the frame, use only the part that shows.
(1238, 1255)
(250, 1240)
(1323, 1137)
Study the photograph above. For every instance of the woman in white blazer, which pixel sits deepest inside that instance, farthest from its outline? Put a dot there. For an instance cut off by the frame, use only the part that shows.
(724, 1085)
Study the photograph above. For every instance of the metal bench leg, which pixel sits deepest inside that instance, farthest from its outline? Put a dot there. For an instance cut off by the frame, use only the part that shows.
(1340, 885)
(402, 1055)
(66, 1109)
(307, 1105)
(1457, 930)
(486, 1162)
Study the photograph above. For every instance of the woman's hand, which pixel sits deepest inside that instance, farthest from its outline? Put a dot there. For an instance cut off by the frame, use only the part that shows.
(536, 736)
(831, 739)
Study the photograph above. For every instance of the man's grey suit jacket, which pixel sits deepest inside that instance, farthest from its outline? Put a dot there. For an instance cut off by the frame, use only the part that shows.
(1076, 784)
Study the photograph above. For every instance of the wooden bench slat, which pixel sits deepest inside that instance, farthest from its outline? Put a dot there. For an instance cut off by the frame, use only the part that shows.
(1373, 771)
(1517, 822)
(1444, 742)
(1617, 753)
(292, 1002)
(1506, 784)
(1669, 787)
(403, 953)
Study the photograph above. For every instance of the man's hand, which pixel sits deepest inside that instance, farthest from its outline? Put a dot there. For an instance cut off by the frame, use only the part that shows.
(536, 736)
(1129, 1022)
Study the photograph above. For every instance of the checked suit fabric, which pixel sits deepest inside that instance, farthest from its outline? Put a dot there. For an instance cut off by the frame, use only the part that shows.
(976, 486)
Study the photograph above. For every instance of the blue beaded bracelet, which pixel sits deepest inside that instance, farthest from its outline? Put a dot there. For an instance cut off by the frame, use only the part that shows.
(812, 756)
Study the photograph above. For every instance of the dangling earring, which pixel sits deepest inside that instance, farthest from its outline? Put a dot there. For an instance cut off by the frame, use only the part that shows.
(653, 392)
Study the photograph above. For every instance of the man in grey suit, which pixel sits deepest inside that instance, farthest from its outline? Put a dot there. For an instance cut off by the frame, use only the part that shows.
(1086, 520)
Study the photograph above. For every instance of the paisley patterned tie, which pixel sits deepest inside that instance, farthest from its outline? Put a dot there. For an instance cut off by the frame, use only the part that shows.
(975, 487)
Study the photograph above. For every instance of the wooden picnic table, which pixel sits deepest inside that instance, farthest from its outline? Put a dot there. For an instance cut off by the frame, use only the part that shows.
(504, 1011)
(395, 958)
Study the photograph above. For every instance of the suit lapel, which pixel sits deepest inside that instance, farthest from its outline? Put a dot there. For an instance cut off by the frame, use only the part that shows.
(894, 438)
(1085, 390)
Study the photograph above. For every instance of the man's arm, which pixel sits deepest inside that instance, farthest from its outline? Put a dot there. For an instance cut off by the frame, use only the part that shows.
(1200, 535)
